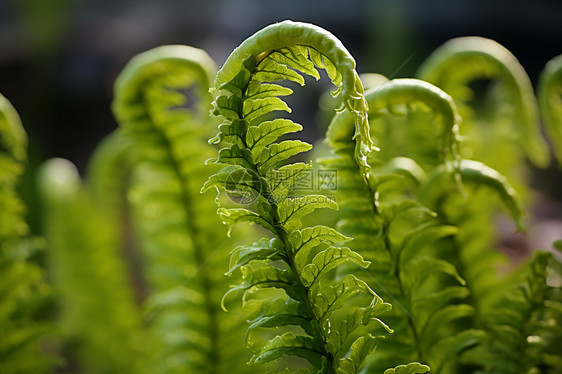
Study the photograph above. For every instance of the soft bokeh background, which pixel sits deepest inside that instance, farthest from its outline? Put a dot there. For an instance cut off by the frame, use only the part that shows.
(59, 58)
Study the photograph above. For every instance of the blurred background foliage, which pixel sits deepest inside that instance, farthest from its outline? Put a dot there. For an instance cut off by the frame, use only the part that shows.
(60, 58)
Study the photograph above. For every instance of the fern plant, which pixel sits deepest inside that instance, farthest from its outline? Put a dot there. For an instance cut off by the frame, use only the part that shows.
(548, 94)
(507, 120)
(161, 102)
(296, 262)
(23, 291)
(413, 222)
(523, 330)
(472, 250)
(398, 236)
(100, 323)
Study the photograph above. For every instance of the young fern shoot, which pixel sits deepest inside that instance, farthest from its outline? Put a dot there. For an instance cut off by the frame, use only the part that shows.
(296, 260)
(398, 239)
(23, 290)
(162, 104)
(460, 62)
(549, 95)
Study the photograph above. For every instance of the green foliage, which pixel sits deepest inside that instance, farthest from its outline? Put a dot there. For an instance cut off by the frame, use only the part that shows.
(23, 291)
(296, 260)
(549, 95)
(98, 316)
(137, 256)
(503, 120)
(523, 330)
(161, 102)
(398, 238)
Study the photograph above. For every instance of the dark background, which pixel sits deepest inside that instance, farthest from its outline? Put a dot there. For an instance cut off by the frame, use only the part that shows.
(59, 58)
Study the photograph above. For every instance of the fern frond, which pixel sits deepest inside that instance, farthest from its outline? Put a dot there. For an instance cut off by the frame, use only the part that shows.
(13, 149)
(396, 97)
(472, 250)
(549, 92)
(100, 321)
(399, 239)
(523, 327)
(461, 61)
(161, 104)
(297, 260)
(23, 290)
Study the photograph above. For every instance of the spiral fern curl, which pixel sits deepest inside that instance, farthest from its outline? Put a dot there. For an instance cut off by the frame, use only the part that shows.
(161, 104)
(549, 95)
(23, 290)
(398, 95)
(318, 326)
(463, 60)
(287, 46)
(398, 238)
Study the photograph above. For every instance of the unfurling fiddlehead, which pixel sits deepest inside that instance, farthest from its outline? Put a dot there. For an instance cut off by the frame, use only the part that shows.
(461, 61)
(549, 94)
(398, 238)
(162, 103)
(296, 260)
(23, 290)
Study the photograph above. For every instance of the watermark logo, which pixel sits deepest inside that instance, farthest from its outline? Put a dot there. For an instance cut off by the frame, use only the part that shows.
(243, 188)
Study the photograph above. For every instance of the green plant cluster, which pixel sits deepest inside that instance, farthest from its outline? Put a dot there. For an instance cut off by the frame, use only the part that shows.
(378, 255)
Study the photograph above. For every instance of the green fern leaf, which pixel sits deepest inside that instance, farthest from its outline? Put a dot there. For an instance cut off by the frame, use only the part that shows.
(327, 260)
(517, 333)
(360, 348)
(267, 276)
(278, 152)
(233, 216)
(400, 237)
(352, 321)
(289, 344)
(282, 180)
(255, 108)
(411, 368)
(305, 240)
(89, 275)
(291, 210)
(267, 132)
(330, 298)
(263, 249)
(472, 172)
